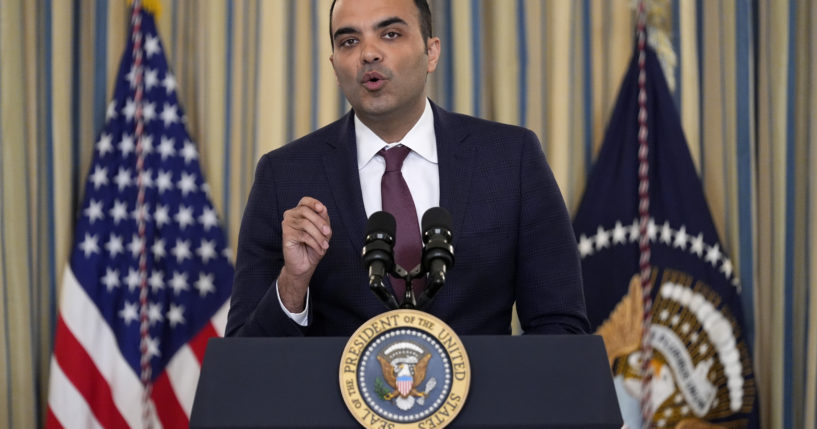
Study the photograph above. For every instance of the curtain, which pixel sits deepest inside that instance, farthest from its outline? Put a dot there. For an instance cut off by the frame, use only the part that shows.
(255, 74)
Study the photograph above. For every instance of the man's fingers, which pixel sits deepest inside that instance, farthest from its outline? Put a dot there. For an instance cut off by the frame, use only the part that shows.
(305, 227)
(307, 211)
(316, 206)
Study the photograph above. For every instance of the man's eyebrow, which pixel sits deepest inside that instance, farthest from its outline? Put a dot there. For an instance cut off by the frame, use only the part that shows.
(382, 24)
(344, 30)
(390, 21)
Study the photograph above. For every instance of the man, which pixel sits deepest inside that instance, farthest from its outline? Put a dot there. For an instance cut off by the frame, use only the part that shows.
(298, 270)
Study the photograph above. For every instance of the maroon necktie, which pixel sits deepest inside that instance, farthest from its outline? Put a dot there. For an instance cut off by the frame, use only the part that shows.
(397, 201)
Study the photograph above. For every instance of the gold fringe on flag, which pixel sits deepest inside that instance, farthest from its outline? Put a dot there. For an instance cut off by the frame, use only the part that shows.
(152, 6)
(659, 28)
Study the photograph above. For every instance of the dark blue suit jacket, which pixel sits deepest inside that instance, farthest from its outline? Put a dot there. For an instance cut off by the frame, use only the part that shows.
(512, 235)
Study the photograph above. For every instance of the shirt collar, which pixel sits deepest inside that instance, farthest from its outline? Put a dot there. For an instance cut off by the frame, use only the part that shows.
(420, 139)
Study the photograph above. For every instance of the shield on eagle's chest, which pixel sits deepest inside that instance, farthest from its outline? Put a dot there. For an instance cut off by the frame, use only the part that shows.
(404, 383)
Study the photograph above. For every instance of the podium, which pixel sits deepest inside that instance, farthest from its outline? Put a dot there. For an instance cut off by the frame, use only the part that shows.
(541, 381)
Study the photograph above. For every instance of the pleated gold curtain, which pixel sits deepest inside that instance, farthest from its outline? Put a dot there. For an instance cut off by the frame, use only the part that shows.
(254, 74)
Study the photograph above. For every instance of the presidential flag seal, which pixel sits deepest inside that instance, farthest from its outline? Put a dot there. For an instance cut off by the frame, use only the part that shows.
(404, 369)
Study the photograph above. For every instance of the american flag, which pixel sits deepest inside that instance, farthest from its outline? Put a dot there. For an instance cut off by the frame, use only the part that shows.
(150, 275)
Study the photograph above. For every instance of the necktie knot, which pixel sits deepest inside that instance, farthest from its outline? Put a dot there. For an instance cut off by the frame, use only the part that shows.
(394, 157)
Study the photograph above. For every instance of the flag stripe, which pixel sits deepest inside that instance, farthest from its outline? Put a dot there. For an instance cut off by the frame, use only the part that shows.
(199, 343)
(168, 409)
(85, 322)
(51, 421)
(80, 371)
(66, 404)
(182, 379)
(219, 319)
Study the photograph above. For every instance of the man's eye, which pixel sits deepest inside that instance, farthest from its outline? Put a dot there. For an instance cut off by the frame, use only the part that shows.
(348, 42)
(391, 35)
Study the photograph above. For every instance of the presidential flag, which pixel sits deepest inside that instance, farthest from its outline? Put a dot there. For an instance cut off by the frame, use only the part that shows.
(701, 364)
(149, 275)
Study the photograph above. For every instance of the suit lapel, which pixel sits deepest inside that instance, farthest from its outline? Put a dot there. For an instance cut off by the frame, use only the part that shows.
(455, 156)
(342, 175)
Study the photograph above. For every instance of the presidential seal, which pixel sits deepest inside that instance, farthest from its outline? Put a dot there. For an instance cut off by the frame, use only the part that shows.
(404, 369)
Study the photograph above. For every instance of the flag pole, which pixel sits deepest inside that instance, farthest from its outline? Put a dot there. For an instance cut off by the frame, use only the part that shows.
(144, 334)
(644, 218)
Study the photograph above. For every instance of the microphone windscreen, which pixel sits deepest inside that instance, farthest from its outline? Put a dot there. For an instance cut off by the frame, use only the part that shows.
(436, 217)
(381, 222)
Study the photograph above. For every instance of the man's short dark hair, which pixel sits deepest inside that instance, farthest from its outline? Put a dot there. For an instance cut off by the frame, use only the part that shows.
(425, 19)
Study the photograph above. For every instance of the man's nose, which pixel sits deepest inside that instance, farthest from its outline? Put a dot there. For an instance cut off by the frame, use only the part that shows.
(371, 53)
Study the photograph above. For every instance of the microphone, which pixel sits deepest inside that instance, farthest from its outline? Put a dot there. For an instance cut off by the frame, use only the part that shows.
(438, 253)
(378, 254)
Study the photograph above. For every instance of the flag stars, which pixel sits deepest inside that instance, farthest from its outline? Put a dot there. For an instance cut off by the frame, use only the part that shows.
(131, 77)
(169, 82)
(184, 216)
(169, 114)
(151, 346)
(179, 282)
(145, 178)
(206, 250)
(155, 313)
(175, 315)
(114, 245)
(94, 211)
(126, 145)
(158, 249)
(135, 246)
(697, 246)
(652, 230)
(151, 45)
(666, 233)
(208, 219)
(148, 112)
(164, 181)
(727, 268)
(181, 250)
(147, 144)
(635, 231)
(123, 179)
(111, 112)
(133, 279)
(166, 148)
(602, 238)
(110, 279)
(89, 245)
(151, 78)
(681, 238)
(129, 110)
(187, 184)
(189, 151)
(585, 246)
(104, 145)
(713, 255)
(119, 211)
(99, 177)
(619, 234)
(205, 284)
(161, 216)
(129, 313)
(141, 212)
(156, 280)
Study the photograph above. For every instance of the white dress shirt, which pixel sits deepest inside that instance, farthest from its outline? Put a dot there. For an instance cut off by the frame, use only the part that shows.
(420, 170)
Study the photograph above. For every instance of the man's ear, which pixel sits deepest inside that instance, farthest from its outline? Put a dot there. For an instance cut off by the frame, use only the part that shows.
(433, 49)
(332, 61)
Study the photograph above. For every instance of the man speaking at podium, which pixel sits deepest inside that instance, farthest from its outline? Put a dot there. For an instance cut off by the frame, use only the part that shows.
(298, 268)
